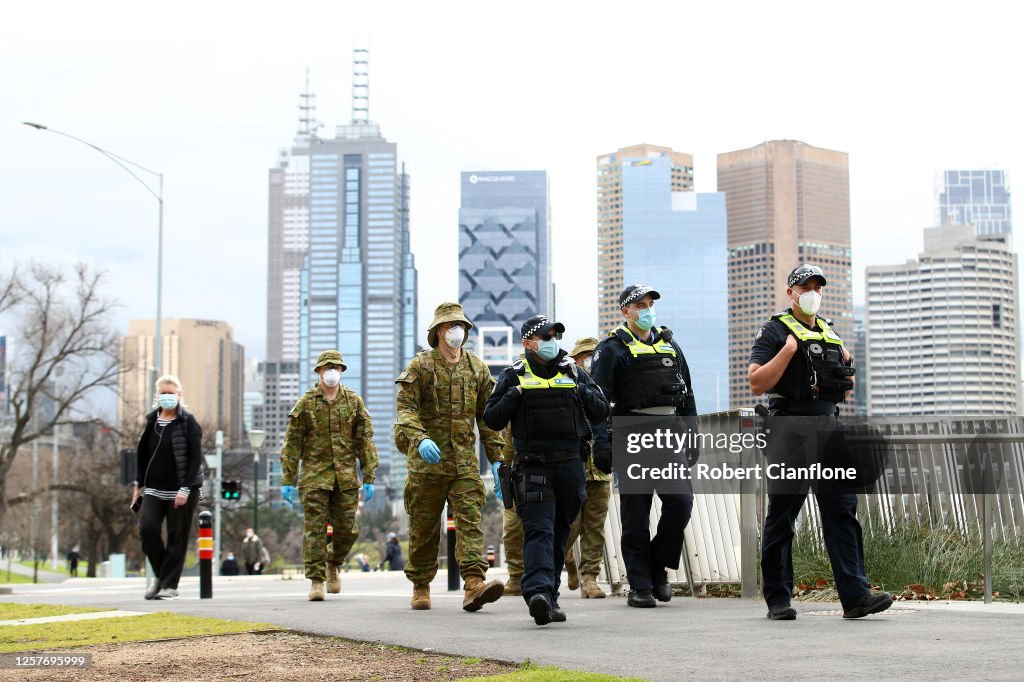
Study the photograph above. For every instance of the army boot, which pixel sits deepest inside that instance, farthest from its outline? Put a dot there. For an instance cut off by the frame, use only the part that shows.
(420, 597)
(333, 579)
(573, 581)
(316, 591)
(479, 593)
(590, 589)
(513, 587)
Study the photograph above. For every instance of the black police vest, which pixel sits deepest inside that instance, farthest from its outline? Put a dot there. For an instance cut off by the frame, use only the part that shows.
(654, 377)
(827, 376)
(548, 410)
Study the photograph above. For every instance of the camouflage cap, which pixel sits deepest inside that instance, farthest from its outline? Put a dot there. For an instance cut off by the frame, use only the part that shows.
(330, 357)
(585, 345)
(446, 312)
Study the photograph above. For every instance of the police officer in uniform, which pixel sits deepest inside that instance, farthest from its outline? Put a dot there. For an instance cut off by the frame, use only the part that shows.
(806, 370)
(550, 405)
(643, 372)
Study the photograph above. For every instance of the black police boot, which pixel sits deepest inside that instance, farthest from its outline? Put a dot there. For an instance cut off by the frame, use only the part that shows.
(662, 590)
(868, 604)
(781, 612)
(540, 609)
(641, 599)
(557, 614)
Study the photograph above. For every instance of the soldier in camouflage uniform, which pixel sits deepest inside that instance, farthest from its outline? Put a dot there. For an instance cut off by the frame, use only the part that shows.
(512, 533)
(440, 395)
(589, 525)
(328, 430)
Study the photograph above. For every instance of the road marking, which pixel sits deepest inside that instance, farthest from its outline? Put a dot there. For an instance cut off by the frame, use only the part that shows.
(72, 617)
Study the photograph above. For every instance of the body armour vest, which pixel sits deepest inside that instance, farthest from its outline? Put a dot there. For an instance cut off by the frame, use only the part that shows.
(654, 377)
(828, 375)
(548, 410)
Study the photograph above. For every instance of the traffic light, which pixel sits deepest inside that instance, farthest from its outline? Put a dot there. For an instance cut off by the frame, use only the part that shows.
(230, 490)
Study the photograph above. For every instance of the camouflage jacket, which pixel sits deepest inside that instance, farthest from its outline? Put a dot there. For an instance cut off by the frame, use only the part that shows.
(328, 438)
(441, 402)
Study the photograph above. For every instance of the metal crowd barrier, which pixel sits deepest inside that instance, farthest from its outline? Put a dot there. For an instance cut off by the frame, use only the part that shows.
(931, 478)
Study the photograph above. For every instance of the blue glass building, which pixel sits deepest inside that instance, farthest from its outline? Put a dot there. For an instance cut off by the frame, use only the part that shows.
(975, 197)
(504, 257)
(358, 281)
(676, 243)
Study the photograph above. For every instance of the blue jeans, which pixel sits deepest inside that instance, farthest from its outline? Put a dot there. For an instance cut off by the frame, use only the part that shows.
(546, 522)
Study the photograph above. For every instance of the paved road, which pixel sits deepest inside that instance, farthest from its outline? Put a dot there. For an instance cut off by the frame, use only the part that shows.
(716, 638)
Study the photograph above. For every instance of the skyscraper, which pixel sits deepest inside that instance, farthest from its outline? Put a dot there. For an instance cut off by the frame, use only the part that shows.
(504, 257)
(339, 240)
(974, 197)
(204, 355)
(654, 229)
(611, 279)
(788, 203)
(943, 332)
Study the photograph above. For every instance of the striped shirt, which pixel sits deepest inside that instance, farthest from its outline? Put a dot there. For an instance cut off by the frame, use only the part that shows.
(161, 424)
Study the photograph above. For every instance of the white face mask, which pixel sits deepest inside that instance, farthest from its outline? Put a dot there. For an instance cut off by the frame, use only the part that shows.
(586, 364)
(809, 302)
(455, 336)
(332, 377)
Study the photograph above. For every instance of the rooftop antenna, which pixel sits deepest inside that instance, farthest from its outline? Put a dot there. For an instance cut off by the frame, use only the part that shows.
(360, 86)
(307, 111)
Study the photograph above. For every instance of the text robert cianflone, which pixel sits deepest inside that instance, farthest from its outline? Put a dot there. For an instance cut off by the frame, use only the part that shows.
(724, 472)
(668, 439)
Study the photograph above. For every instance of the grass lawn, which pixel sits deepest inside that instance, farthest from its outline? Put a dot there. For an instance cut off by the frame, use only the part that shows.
(6, 577)
(114, 630)
(10, 611)
(529, 672)
(62, 567)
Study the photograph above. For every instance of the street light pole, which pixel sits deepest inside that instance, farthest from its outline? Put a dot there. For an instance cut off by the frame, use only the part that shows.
(159, 196)
(256, 438)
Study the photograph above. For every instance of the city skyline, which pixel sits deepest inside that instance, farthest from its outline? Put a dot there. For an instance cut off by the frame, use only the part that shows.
(209, 120)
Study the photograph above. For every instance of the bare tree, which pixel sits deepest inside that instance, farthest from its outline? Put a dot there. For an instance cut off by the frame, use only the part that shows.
(65, 351)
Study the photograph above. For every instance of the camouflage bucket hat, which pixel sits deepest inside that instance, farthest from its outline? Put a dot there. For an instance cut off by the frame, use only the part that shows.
(446, 312)
(585, 345)
(330, 357)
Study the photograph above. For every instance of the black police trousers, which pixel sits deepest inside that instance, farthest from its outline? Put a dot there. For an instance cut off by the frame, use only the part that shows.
(647, 558)
(546, 521)
(796, 441)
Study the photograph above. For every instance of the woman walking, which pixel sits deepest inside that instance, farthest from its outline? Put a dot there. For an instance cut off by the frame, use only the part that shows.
(169, 485)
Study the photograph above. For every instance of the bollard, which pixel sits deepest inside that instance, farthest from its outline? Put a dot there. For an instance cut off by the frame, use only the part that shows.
(453, 565)
(205, 555)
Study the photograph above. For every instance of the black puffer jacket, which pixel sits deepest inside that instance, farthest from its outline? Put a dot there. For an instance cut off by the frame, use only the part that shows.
(186, 438)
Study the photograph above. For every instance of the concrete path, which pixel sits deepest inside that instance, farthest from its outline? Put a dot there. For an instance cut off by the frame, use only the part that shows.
(44, 575)
(95, 615)
(702, 638)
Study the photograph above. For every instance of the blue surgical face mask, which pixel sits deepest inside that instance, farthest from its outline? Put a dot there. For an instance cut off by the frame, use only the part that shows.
(168, 401)
(646, 318)
(547, 350)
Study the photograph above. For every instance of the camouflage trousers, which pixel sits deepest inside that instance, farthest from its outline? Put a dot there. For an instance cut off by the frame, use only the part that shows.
(320, 507)
(425, 498)
(512, 537)
(589, 528)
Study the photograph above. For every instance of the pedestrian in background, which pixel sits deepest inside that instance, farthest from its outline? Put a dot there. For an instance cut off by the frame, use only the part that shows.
(170, 462)
(252, 552)
(230, 565)
(73, 557)
(393, 554)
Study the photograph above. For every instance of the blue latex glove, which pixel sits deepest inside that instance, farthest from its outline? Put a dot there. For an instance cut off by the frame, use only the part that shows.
(497, 481)
(288, 494)
(429, 451)
(367, 492)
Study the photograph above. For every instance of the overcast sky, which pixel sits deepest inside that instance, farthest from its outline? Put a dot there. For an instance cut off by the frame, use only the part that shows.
(207, 93)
